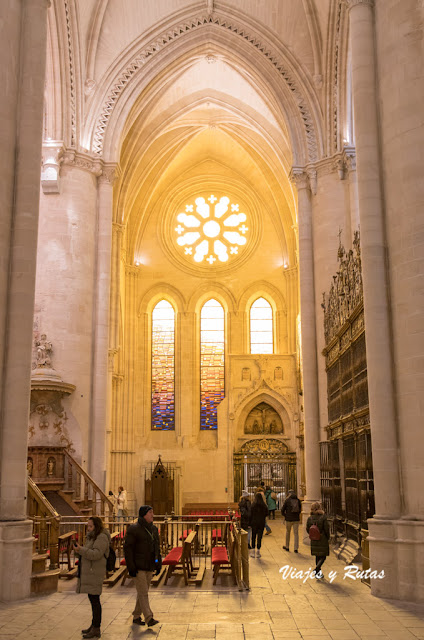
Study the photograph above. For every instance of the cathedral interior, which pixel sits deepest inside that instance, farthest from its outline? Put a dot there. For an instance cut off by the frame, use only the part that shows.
(212, 266)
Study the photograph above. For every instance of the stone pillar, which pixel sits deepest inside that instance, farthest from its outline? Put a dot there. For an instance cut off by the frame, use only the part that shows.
(384, 437)
(350, 159)
(309, 339)
(23, 32)
(374, 267)
(102, 382)
(65, 300)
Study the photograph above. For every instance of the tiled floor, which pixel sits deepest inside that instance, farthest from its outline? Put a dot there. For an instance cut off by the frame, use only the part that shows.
(274, 608)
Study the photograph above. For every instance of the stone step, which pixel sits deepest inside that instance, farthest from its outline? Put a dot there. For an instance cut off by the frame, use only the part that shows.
(39, 562)
(45, 582)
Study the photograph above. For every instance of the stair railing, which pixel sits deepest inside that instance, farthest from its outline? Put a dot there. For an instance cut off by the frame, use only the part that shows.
(87, 494)
(46, 523)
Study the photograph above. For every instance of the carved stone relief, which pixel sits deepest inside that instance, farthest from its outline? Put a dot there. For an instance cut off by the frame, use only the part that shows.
(263, 419)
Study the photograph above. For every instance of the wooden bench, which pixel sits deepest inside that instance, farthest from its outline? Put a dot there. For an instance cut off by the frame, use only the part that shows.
(181, 558)
(223, 558)
(65, 548)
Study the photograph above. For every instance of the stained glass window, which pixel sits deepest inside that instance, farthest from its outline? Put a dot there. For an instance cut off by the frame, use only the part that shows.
(261, 335)
(163, 371)
(211, 363)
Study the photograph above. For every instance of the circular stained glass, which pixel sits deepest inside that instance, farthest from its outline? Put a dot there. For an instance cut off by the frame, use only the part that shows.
(211, 230)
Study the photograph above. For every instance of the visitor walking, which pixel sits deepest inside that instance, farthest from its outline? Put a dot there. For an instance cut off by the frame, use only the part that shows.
(320, 547)
(291, 511)
(259, 514)
(245, 507)
(92, 570)
(121, 504)
(142, 555)
(271, 501)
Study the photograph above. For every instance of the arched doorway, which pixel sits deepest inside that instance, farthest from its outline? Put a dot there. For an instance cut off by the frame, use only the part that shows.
(264, 460)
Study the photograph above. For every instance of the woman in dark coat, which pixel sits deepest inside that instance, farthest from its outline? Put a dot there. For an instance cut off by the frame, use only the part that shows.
(319, 548)
(245, 507)
(92, 570)
(259, 513)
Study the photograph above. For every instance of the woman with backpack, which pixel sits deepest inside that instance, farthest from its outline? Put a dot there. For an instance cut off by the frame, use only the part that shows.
(271, 501)
(319, 533)
(92, 570)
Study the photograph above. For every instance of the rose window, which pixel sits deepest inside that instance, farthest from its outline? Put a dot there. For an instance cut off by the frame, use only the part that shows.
(212, 230)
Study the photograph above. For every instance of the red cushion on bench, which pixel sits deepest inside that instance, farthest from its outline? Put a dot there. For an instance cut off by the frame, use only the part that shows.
(219, 555)
(173, 556)
(216, 534)
(123, 562)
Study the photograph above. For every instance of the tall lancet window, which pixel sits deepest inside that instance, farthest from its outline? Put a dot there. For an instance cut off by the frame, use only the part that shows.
(212, 347)
(261, 333)
(163, 367)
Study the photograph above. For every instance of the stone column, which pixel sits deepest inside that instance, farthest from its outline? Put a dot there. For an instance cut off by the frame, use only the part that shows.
(102, 381)
(309, 339)
(65, 301)
(350, 159)
(23, 32)
(374, 267)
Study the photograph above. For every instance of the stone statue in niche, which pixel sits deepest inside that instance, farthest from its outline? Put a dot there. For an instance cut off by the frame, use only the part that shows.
(263, 419)
(245, 374)
(44, 351)
(278, 373)
(29, 466)
(51, 466)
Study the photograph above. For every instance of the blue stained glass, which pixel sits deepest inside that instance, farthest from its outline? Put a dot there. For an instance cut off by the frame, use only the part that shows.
(211, 363)
(163, 367)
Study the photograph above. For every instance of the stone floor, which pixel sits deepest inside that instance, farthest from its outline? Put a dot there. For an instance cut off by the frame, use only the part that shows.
(274, 608)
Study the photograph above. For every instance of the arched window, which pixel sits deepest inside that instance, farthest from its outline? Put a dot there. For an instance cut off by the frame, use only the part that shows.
(261, 334)
(212, 344)
(163, 367)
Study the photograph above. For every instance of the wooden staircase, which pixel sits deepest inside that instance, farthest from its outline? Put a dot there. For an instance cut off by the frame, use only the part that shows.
(46, 533)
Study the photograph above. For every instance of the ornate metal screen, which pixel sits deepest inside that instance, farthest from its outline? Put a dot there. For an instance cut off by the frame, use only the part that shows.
(212, 355)
(346, 463)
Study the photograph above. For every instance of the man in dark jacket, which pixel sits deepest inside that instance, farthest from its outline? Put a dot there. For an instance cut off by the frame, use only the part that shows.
(291, 510)
(142, 555)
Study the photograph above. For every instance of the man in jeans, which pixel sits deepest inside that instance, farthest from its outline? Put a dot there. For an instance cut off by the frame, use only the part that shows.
(142, 555)
(291, 510)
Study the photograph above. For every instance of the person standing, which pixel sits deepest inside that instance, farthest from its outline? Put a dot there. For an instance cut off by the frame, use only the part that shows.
(271, 498)
(245, 507)
(319, 548)
(143, 558)
(291, 511)
(92, 570)
(259, 514)
(121, 504)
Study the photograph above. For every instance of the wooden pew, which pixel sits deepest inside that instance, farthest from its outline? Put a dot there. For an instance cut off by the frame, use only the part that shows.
(223, 558)
(65, 548)
(181, 558)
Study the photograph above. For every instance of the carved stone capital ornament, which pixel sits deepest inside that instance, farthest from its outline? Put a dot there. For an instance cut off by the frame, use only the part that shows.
(52, 155)
(299, 178)
(353, 3)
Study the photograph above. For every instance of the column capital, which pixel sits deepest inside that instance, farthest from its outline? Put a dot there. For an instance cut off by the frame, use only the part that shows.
(299, 177)
(111, 172)
(84, 161)
(52, 158)
(353, 3)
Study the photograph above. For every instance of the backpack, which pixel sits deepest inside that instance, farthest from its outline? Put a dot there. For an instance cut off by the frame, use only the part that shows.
(111, 560)
(294, 505)
(314, 532)
(273, 495)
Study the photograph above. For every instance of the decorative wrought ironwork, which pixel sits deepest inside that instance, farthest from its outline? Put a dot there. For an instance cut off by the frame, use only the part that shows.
(346, 291)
